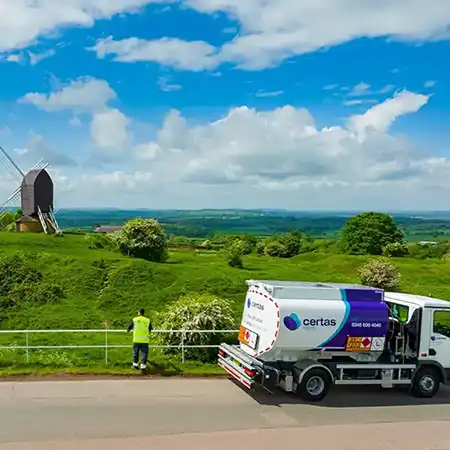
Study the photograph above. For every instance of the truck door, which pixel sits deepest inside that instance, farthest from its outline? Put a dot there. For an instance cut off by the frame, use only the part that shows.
(439, 349)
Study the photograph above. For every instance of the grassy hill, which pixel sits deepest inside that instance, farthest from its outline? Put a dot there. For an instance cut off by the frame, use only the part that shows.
(99, 285)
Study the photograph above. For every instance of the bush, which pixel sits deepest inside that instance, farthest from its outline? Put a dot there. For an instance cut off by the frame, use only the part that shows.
(380, 273)
(289, 245)
(369, 233)
(395, 250)
(142, 238)
(233, 253)
(202, 312)
(260, 248)
(21, 282)
(276, 249)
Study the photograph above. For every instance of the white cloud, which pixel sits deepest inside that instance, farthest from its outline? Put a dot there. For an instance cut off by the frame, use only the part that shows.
(274, 31)
(91, 96)
(381, 116)
(83, 95)
(269, 31)
(109, 129)
(386, 89)
(359, 89)
(429, 84)
(353, 102)
(263, 94)
(282, 150)
(273, 158)
(363, 90)
(36, 57)
(166, 86)
(24, 21)
(278, 29)
(170, 52)
(14, 57)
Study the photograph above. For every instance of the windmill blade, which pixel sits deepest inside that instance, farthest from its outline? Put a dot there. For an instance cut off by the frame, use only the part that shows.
(10, 165)
(40, 165)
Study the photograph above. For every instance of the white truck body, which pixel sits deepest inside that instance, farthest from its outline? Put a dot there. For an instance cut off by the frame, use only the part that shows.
(295, 332)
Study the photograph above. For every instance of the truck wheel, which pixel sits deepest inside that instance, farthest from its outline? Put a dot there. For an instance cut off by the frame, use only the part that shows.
(314, 385)
(426, 383)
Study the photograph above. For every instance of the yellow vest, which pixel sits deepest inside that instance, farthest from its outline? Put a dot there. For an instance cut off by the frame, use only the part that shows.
(141, 334)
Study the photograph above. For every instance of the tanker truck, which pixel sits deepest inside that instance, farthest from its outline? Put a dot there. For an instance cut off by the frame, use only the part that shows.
(305, 337)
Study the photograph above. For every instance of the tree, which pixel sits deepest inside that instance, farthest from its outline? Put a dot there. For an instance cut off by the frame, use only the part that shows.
(198, 312)
(143, 238)
(368, 233)
(380, 273)
(233, 253)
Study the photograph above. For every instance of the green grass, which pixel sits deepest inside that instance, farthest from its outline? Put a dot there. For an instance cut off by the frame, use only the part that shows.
(101, 285)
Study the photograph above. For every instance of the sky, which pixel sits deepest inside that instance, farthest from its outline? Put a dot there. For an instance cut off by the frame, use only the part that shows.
(296, 104)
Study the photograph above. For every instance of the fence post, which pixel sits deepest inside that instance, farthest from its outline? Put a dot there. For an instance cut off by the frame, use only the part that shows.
(106, 346)
(183, 334)
(26, 344)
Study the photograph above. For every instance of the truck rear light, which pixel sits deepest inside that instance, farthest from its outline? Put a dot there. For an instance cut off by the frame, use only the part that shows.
(222, 353)
(249, 372)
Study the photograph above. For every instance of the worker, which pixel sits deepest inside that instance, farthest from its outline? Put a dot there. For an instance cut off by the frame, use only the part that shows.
(141, 327)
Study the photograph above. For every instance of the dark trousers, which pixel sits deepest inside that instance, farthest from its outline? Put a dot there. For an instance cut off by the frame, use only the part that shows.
(143, 349)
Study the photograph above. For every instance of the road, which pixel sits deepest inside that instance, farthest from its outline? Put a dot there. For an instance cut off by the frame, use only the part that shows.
(168, 414)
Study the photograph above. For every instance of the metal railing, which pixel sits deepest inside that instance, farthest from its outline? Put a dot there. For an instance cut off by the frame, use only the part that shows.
(105, 345)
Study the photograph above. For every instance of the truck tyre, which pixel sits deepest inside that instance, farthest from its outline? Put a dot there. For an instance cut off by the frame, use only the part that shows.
(426, 383)
(314, 385)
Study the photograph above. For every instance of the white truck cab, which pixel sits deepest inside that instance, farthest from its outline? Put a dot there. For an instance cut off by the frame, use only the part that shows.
(304, 337)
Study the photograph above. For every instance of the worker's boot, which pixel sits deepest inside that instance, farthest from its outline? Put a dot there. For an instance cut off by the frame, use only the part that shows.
(135, 366)
(143, 367)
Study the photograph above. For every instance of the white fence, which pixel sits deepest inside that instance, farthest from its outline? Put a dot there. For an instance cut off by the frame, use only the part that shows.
(106, 345)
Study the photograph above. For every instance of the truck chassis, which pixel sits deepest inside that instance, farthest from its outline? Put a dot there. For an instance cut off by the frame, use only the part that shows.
(312, 378)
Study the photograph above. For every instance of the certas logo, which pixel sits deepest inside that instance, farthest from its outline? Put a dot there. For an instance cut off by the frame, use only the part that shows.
(252, 304)
(293, 322)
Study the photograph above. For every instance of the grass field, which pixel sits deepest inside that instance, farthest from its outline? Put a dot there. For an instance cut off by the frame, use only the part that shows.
(101, 285)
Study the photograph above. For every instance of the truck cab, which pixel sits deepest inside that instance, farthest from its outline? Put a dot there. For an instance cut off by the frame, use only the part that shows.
(426, 336)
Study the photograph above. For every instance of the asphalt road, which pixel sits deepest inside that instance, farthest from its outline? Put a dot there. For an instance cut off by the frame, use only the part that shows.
(172, 414)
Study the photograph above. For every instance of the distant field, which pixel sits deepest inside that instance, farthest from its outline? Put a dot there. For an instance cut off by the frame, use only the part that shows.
(207, 223)
(100, 285)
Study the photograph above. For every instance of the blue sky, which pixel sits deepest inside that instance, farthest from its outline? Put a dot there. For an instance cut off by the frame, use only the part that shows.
(207, 103)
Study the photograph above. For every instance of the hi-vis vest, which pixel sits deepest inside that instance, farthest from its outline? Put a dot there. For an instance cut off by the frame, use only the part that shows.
(141, 334)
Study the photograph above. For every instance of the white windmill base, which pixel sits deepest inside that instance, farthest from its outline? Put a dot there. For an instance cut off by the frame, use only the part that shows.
(48, 222)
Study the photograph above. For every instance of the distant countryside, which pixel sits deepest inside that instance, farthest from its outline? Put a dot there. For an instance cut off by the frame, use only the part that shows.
(208, 223)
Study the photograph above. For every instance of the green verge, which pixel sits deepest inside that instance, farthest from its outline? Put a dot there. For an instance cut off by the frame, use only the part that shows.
(101, 285)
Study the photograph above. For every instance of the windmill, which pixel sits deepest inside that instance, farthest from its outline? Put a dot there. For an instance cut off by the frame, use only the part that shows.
(35, 195)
